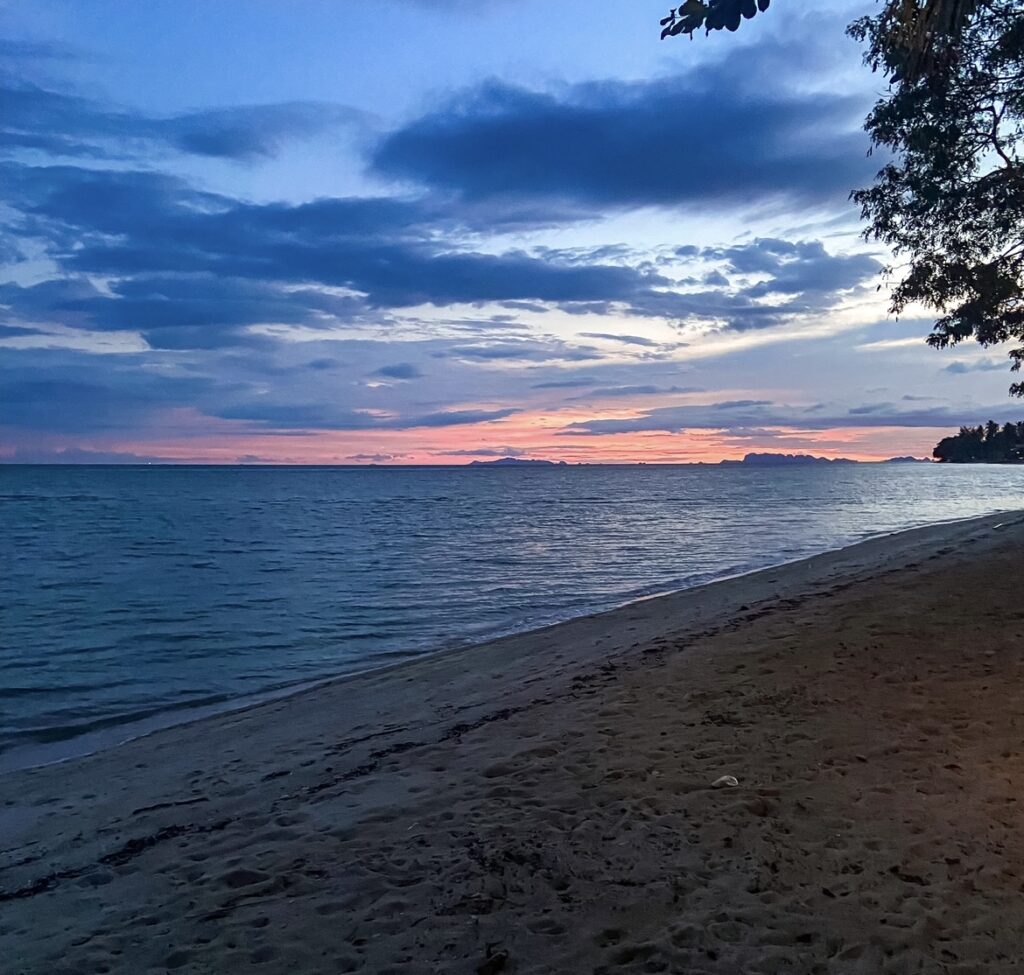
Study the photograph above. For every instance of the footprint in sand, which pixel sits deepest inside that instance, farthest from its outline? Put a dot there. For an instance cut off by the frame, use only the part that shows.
(244, 878)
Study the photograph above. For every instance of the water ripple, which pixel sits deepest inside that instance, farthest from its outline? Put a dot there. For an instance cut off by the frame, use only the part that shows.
(128, 592)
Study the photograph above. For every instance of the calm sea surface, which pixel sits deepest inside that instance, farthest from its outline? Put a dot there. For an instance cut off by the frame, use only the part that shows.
(139, 595)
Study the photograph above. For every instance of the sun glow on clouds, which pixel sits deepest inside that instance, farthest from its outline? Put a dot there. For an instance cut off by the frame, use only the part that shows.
(703, 446)
(186, 436)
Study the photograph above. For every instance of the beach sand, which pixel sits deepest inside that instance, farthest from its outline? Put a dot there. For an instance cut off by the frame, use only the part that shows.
(544, 803)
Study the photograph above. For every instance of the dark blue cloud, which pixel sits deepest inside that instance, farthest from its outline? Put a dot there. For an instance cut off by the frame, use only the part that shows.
(48, 390)
(796, 267)
(326, 416)
(800, 278)
(869, 408)
(76, 455)
(602, 392)
(676, 419)
(400, 370)
(183, 312)
(522, 351)
(60, 391)
(191, 267)
(57, 123)
(960, 368)
(20, 50)
(66, 404)
(625, 339)
(449, 418)
(147, 252)
(733, 133)
(740, 404)
(143, 224)
(156, 302)
(566, 383)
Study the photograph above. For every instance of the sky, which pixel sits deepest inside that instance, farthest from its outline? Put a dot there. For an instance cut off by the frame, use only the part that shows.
(438, 231)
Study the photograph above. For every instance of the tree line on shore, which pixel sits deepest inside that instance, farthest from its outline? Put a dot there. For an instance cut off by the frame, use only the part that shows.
(988, 444)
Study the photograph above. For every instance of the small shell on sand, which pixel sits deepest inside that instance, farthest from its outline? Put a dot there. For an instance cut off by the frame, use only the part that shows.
(725, 780)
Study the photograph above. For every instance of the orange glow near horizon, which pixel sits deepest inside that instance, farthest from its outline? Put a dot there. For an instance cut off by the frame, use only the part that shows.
(188, 437)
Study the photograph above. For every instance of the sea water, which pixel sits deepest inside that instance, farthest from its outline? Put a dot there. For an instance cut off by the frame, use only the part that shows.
(134, 596)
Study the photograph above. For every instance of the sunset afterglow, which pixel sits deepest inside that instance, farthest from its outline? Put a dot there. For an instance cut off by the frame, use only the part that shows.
(305, 254)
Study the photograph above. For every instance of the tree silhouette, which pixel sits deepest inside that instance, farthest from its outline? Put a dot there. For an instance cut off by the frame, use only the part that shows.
(712, 15)
(919, 30)
(950, 202)
(988, 444)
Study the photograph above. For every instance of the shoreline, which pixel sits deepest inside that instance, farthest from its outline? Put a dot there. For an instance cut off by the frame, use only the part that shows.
(46, 754)
(549, 799)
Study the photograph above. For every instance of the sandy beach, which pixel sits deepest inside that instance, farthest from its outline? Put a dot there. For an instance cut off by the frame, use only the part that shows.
(545, 802)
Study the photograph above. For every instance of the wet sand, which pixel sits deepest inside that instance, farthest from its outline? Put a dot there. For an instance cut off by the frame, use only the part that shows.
(544, 803)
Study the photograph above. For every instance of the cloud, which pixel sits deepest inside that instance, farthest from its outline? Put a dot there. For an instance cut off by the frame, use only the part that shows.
(222, 289)
(449, 418)
(719, 416)
(278, 415)
(266, 389)
(252, 131)
(56, 390)
(605, 392)
(57, 123)
(886, 345)
(184, 264)
(175, 310)
(612, 391)
(522, 351)
(796, 267)
(775, 281)
(740, 404)
(780, 280)
(400, 370)
(152, 227)
(625, 339)
(375, 458)
(19, 50)
(482, 452)
(576, 383)
(726, 134)
(62, 403)
(76, 455)
(959, 367)
(871, 408)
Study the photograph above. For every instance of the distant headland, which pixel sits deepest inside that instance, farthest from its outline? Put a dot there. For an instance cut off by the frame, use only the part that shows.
(750, 460)
(783, 460)
(792, 460)
(517, 462)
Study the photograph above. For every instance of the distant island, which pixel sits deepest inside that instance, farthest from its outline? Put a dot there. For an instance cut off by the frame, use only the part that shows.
(750, 460)
(517, 462)
(783, 460)
(792, 460)
(988, 444)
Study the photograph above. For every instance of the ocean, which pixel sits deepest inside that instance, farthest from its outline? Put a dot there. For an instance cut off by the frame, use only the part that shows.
(133, 597)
